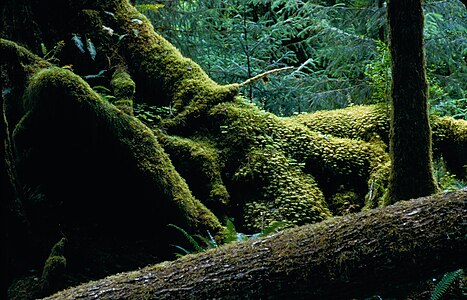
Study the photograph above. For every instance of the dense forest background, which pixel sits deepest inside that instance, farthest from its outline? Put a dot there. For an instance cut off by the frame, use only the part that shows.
(339, 49)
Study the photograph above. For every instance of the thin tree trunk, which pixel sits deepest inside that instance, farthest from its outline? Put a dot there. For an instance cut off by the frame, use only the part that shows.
(410, 137)
(360, 255)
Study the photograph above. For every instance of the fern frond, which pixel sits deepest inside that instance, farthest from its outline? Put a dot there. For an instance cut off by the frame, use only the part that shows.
(91, 48)
(445, 283)
(192, 241)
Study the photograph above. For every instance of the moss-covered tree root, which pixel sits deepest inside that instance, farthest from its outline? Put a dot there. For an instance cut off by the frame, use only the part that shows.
(97, 166)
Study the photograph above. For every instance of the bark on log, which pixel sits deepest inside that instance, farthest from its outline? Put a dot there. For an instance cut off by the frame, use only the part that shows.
(346, 257)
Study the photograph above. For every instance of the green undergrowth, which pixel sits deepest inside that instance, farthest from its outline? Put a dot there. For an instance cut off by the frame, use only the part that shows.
(447, 282)
(200, 243)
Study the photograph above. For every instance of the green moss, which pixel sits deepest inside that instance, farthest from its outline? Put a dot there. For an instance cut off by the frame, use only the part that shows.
(450, 141)
(449, 136)
(134, 161)
(122, 84)
(332, 161)
(344, 203)
(27, 288)
(377, 186)
(278, 169)
(53, 273)
(284, 192)
(164, 76)
(356, 122)
(198, 163)
(125, 106)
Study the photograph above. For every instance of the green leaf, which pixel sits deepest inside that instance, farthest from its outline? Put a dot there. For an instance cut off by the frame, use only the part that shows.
(231, 232)
(274, 227)
(43, 49)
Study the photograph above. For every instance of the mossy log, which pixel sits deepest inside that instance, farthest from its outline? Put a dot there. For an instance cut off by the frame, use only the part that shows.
(374, 252)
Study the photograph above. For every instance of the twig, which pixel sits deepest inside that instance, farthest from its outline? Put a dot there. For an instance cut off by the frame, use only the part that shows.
(259, 76)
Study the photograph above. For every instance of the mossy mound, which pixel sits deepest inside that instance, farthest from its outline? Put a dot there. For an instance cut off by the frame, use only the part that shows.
(450, 140)
(449, 135)
(277, 191)
(355, 122)
(88, 169)
(332, 161)
(53, 274)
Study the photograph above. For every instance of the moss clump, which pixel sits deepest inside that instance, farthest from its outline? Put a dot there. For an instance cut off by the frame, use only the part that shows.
(65, 136)
(450, 140)
(125, 106)
(53, 273)
(345, 202)
(122, 84)
(449, 136)
(377, 186)
(164, 76)
(332, 161)
(124, 89)
(283, 192)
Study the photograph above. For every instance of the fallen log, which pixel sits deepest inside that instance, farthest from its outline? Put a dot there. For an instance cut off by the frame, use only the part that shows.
(358, 255)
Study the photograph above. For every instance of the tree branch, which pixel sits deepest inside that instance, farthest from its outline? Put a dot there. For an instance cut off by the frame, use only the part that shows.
(345, 257)
(262, 75)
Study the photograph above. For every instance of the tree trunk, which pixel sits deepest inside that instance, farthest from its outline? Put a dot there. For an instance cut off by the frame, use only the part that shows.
(410, 136)
(374, 252)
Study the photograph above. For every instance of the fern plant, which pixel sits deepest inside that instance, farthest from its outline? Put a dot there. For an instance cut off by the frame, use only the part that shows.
(231, 235)
(446, 282)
